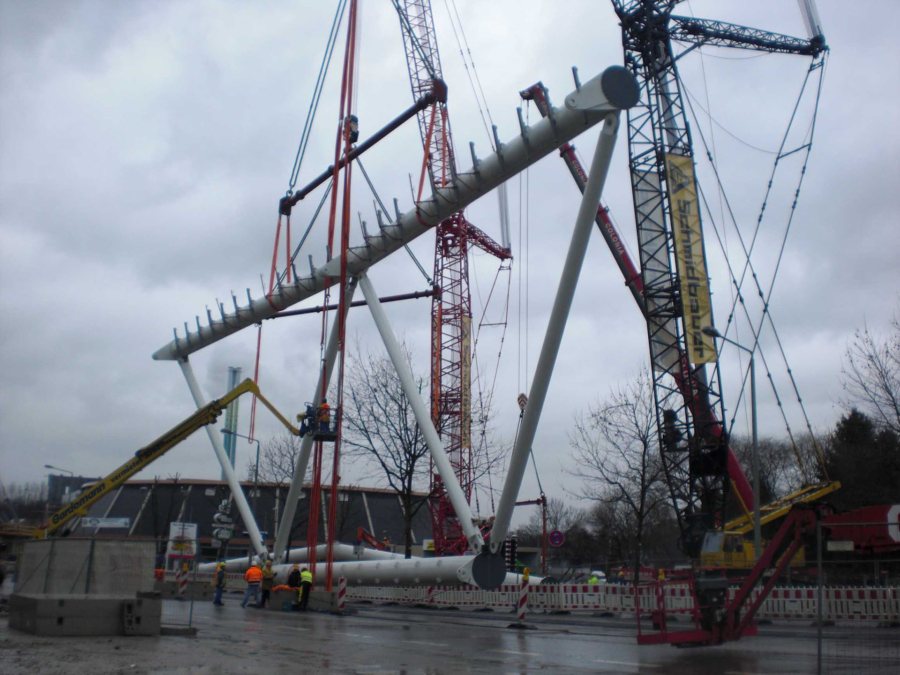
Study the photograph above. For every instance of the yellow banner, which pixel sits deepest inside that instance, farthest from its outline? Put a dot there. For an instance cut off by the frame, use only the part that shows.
(465, 376)
(689, 256)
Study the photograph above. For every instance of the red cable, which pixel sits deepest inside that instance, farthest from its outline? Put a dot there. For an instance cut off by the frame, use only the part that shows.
(346, 98)
(342, 307)
(259, 331)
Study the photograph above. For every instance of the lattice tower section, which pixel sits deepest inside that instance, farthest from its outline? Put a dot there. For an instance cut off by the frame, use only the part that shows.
(451, 310)
(688, 403)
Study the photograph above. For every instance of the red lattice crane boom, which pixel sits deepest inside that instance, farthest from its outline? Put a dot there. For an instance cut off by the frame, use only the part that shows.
(451, 310)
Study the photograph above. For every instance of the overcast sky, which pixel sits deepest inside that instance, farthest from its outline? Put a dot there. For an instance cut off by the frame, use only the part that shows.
(144, 147)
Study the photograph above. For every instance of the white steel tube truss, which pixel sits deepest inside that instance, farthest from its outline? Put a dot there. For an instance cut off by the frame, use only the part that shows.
(233, 482)
(555, 328)
(615, 89)
(290, 505)
(342, 553)
(423, 418)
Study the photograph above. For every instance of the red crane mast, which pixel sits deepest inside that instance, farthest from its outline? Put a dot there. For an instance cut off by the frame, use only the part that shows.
(451, 309)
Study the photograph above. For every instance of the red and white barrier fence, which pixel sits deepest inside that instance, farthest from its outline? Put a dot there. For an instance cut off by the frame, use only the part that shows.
(865, 604)
(840, 604)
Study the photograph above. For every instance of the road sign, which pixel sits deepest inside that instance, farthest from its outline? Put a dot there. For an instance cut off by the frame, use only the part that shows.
(556, 538)
(523, 401)
(104, 523)
(223, 534)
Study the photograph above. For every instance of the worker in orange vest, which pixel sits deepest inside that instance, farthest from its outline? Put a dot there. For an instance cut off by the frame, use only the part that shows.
(253, 577)
(324, 416)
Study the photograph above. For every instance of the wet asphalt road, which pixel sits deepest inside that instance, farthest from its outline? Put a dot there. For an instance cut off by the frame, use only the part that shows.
(406, 640)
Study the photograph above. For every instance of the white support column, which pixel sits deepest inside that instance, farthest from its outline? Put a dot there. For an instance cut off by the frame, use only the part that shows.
(216, 439)
(555, 328)
(290, 505)
(423, 419)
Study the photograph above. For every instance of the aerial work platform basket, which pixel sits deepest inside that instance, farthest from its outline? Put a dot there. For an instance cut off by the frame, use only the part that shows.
(325, 430)
(321, 423)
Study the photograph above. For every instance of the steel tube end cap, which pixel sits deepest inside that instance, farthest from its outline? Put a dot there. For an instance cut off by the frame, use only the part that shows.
(489, 570)
(620, 87)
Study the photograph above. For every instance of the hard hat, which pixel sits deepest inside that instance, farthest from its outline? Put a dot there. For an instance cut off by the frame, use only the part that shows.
(324, 400)
(221, 564)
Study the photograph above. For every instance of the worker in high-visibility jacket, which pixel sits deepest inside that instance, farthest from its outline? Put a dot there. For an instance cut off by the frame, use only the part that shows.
(253, 577)
(268, 582)
(306, 582)
(324, 416)
(220, 583)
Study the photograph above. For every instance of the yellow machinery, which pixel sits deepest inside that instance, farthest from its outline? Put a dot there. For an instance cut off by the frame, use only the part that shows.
(208, 414)
(729, 549)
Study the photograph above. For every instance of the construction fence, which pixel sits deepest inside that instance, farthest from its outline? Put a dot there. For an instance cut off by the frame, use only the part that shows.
(872, 642)
(839, 604)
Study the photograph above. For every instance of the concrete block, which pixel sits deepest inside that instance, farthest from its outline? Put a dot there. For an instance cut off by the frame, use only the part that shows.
(167, 589)
(199, 590)
(78, 627)
(61, 616)
(143, 616)
(278, 598)
(323, 601)
(320, 601)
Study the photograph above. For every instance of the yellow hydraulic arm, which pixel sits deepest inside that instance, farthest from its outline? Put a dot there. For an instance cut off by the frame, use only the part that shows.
(208, 414)
(781, 507)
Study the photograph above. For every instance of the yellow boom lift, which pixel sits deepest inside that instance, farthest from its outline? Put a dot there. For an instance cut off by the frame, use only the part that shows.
(208, 414)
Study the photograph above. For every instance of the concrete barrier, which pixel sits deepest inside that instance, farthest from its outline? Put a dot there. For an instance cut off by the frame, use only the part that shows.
(66, 615)
(193, 590)
(76, 566)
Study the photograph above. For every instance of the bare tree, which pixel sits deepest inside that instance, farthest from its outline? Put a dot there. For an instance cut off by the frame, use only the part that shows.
(379, 426)
(616, 451)
(560, 516)
(871, 375)
(784, 466)
(277, 459)
(25, 501)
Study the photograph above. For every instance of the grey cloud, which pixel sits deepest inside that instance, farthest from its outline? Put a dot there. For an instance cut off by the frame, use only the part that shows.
(144, 146)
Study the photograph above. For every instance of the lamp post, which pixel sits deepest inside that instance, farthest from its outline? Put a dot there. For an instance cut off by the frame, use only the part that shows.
(757, 531)
(56, 468)
(256, 471)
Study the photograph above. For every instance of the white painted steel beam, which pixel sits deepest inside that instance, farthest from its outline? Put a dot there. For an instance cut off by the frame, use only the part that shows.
(342, 553)
(397, 570)
(610, 91)
(556, 327)
(282, 538)
(233, 482)
(423, 417)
